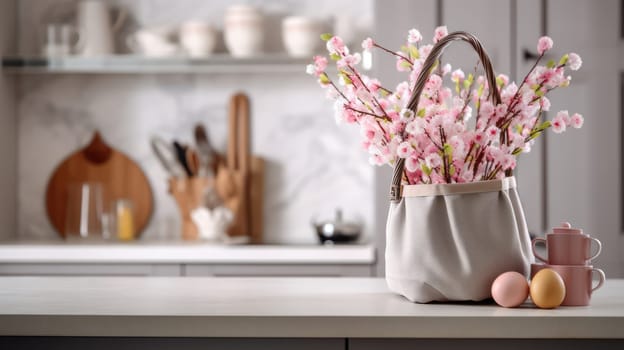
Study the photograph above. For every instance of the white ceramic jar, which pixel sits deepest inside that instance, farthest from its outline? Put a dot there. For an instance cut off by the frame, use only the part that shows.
(243, 30)
(301, 35)
(197, 38)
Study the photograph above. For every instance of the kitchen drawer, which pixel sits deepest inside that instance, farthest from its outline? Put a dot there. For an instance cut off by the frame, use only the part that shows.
(244, 270)
(26, 269)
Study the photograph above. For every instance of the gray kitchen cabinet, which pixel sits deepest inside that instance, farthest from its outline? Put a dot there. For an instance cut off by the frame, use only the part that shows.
(281, 270)
(29, 269)
(121, 343)
(191, 270)
(483, 344)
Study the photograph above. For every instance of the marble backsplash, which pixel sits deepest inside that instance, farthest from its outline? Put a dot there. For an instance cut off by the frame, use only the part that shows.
(313, 166)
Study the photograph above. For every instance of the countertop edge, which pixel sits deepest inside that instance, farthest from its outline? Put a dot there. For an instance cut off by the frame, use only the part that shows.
(186, 254)
(313, 327)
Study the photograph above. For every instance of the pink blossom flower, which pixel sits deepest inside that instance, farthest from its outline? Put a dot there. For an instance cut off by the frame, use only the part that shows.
(374, 85)
(492, 133)
(574, 61)
(558, 124)
(508, 162)
(320, 63)
(349, 60)
(415, 127)
(467, 175)
(458, 75)
(425, 50)
(349, 116)
(413, 36)
(433, 160)
(337, 46)
(544, 44)
(439, 33)
(564, 116)
(576, 121)
(412, 164)
(545, 103)
(368, 44)
(404, 150)
(407, 114)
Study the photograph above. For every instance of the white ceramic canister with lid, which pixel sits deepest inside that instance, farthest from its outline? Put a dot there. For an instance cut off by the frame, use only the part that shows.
(243, 30)
(301, 35)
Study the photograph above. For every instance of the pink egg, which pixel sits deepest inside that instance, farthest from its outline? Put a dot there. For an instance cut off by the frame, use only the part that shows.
(510, 289)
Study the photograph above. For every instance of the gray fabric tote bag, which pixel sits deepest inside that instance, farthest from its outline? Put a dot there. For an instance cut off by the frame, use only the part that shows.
(448, 242)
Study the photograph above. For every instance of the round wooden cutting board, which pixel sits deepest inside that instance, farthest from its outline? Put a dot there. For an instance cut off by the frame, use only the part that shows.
(121, 178)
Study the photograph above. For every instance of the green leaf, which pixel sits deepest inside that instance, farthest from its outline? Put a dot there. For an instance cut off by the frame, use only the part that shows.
(480, 90)
(516, 151)
(324, 79)
(404, 49)
(533, 135)
(452, 170)
(545, 125)
(499, 81)
(346, 78)
(421, 112)
(550, 64)
(470, 78)
(448, 150)
(326, 36)
(425, 169)
(466, 84)
(334, 56)
(413, 52)
(539, 93)
(405, 64)
(563, 60)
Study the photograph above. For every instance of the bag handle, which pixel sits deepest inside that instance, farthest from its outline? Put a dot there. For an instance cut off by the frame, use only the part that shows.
(436, 52)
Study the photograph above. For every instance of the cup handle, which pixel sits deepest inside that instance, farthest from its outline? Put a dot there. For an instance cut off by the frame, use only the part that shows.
(533, 244)
(599, 245)
(601, 279)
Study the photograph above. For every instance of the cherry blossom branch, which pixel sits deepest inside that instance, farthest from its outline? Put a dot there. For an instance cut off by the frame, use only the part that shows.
(394, 53)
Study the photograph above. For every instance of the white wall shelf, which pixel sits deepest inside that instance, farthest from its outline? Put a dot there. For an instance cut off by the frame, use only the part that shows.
(134, 64)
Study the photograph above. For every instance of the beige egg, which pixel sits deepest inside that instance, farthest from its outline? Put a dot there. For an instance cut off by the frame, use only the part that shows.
(547, 289)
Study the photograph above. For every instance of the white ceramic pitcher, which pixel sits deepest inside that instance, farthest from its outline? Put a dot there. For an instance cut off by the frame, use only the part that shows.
(96, 27)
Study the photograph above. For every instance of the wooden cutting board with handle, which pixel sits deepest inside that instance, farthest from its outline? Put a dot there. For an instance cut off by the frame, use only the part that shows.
(120, 176)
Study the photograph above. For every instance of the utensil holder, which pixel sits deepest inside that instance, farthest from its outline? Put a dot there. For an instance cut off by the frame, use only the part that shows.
(189, 195)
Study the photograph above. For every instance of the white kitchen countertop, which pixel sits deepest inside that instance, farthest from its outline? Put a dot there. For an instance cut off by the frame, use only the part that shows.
(182, 253)
(279, 307)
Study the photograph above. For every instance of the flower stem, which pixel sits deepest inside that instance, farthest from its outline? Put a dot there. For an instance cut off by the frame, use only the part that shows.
(394, 53)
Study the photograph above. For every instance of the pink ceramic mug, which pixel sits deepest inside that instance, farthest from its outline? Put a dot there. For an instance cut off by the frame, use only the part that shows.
(577, 279)
(568, 249)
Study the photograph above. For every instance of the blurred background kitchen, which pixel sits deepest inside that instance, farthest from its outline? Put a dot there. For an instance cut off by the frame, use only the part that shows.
(146, 73)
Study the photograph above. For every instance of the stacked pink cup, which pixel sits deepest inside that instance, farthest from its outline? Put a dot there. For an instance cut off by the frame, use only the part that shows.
(570, 255)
